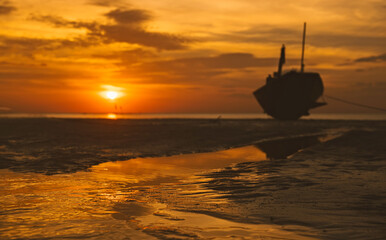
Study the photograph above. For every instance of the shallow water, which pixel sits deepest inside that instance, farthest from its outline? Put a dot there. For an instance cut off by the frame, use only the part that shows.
(142, 198)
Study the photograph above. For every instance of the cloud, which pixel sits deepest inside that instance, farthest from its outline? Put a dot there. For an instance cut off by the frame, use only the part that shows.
(263, 33)
(127, 34)
(129, 57)
(39, 76)
(222, 61)
(61, 22)
(230, 69)
(347, 41)
(129, 16)
(27, 47)
(357, 10)
(370, 59)
(378, 58)
(22, 46)
(254, 37)
(269, 30)
(107, 3)
(128, 28)
(272, 34)
(6, 8)
(23, 43)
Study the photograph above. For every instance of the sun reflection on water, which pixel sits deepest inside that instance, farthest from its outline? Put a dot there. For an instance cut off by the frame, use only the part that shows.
(112, 116)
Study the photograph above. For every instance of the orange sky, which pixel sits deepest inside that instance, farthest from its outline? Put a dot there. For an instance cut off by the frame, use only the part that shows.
(184, 56)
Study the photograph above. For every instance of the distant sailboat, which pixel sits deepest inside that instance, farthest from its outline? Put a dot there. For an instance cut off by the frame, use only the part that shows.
(290, 95)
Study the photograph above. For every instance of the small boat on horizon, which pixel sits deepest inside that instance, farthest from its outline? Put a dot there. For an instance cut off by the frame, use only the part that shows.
(291, 95)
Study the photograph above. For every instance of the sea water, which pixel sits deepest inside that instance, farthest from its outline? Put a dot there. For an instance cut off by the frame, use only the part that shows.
(315, 116)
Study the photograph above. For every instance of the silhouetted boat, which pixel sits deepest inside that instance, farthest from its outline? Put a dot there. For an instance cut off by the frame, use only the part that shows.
(290, 95)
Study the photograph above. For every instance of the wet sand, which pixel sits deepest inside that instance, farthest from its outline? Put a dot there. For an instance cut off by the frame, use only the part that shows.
(144, 198)
(52, 146)
(291, 180)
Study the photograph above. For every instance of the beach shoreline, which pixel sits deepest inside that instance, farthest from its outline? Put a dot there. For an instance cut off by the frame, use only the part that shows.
(53, 146)
(159, 179)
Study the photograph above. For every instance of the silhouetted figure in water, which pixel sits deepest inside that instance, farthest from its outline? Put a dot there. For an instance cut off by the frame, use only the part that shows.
(290, 95)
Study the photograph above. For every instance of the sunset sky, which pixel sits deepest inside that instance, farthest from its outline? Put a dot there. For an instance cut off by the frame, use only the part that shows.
(184, 56)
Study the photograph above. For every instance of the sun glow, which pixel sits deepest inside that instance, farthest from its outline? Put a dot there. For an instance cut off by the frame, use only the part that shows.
(111, 116)
(111, 95)
(112, 92)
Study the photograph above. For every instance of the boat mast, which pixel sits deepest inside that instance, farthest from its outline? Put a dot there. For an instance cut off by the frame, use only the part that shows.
(304, 42)
(281, 61)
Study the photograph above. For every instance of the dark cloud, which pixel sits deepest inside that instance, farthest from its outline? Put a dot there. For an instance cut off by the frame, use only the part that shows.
(23, 43)
(107, 3)
(82, 42)
(379, 58)
(129, 16)
(133, 35)
(128, 28)
(6, 7)
(26, 47)
(61, 22)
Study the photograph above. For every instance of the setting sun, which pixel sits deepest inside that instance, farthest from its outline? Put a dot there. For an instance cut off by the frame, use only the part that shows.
(111, 95)
(112, 92)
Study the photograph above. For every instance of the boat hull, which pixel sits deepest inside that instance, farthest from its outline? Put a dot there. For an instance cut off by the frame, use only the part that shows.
(290, 96)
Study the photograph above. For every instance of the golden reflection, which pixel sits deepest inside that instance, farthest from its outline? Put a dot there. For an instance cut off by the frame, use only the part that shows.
(95, 202)
(181, 164)
(111, 116)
